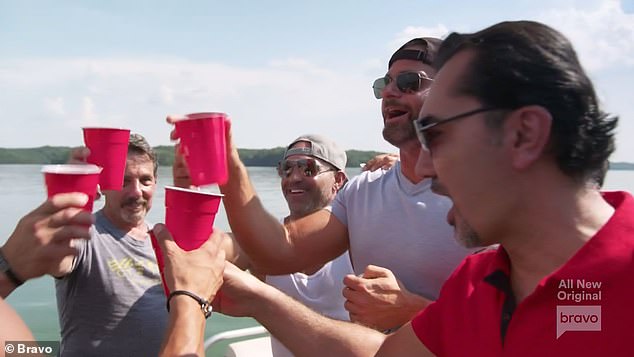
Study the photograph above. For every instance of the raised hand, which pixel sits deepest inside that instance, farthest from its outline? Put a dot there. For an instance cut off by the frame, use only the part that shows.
(79, 155)
(42, 240)
(380, 161)
(198, 271)
(379, 300)
(180, 171)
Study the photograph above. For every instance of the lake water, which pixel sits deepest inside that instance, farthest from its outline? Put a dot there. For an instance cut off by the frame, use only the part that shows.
(22, 189)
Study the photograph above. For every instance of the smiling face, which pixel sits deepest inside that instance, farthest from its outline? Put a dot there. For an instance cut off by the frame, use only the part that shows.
(400, 109)
(127, 208)
(305, 194)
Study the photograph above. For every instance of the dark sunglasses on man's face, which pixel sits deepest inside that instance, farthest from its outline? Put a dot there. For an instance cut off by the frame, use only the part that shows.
(308, 167)
(406, 82)
(423, 125)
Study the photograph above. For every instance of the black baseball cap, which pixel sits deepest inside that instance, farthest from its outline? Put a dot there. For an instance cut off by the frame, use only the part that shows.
(425, 50)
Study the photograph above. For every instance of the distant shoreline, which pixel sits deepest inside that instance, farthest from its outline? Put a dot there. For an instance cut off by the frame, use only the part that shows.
(251, 157)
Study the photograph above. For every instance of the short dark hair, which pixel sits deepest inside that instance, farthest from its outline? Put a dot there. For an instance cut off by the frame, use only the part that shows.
(139, 145)
(528, 63)
(598, 177)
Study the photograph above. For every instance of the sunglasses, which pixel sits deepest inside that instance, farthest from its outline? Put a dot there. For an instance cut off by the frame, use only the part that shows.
(406, 82)
(423, 124)
(308, 167)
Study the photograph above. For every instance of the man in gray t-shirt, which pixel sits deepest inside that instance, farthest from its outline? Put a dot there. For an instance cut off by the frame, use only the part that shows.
(110, 301)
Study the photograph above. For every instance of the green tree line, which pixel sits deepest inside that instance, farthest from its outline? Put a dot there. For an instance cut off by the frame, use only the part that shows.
(251, 157)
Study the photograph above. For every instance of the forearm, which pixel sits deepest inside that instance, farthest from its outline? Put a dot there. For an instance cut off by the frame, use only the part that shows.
(307, 333)
(186, 329)
(234, 253)
(259, 234)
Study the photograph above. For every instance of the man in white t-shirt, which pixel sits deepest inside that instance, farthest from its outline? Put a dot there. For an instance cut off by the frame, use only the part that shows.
(393, 226)
(311, 172)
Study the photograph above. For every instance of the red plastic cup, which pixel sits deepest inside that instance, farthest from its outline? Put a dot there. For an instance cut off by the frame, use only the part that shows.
(189, 216)
(108, 149)
(72, 178)
(203, 145)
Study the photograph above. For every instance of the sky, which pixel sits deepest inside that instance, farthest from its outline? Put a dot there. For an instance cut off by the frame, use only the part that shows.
(278, 68)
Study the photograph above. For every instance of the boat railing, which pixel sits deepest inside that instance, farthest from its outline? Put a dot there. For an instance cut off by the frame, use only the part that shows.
(235, 334)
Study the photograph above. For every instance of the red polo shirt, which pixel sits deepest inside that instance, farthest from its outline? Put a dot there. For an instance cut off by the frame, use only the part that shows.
(585, 308)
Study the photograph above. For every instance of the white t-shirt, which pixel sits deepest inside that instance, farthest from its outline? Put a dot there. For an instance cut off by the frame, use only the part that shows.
(400, 226)
(321, 291)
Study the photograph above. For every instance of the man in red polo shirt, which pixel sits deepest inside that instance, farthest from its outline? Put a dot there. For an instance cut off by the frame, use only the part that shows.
(513, 133)
(530, 140)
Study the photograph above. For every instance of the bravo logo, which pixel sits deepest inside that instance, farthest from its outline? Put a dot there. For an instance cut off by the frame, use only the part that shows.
(578, 318)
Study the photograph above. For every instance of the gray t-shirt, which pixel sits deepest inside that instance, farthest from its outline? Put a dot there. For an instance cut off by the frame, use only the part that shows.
(400, 226)
(112, 304)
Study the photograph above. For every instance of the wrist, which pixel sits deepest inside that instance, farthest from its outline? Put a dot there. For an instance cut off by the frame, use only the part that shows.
(180, 297)
(182, 304)
(416, 304)
(182, 181)
(8, 272)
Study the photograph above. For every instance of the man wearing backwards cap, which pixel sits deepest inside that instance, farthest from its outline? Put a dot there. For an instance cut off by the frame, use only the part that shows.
(315, 156)
(393, 225)
(311, 172)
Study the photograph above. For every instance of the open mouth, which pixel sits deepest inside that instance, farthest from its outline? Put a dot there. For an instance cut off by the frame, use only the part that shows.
(135, 206)
(395, 114)
(295, 191)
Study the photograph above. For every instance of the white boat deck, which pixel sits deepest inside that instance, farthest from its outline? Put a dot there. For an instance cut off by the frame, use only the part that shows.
(258, 343)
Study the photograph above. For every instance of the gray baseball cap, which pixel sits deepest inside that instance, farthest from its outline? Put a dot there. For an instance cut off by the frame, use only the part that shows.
(321, 148)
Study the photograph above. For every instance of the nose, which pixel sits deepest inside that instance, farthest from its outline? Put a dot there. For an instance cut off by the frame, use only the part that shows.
(424, 165)
(134, 188)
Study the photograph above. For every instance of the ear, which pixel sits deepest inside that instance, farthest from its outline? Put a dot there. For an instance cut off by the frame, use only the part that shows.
(340, 180)
(528, 131)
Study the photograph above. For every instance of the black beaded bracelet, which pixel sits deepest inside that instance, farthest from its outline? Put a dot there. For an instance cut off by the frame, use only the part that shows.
(205, 306)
